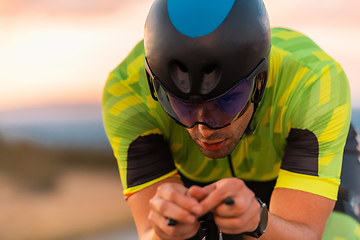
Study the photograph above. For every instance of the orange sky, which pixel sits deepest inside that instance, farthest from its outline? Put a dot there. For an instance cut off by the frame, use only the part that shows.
(61, 51)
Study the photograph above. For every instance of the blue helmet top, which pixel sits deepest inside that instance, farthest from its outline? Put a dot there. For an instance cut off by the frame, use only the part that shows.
(198, 18)
(205, 47)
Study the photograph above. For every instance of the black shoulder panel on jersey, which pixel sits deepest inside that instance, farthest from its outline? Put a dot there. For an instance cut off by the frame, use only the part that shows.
(149, 157)
(301, 153)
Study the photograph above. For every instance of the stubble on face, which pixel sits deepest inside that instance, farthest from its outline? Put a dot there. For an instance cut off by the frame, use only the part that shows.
(220, 143)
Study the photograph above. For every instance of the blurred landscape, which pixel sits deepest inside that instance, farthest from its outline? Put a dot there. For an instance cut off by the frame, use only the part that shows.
(58, 176)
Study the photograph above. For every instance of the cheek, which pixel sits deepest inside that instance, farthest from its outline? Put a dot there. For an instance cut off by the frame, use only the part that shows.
(193, 131)
(235, 131)
(237, 128)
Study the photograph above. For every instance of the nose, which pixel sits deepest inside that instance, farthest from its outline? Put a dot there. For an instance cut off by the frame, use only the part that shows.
(205, 131)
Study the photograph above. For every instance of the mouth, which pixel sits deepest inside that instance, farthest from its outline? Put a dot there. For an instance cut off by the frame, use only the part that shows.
(212, 146)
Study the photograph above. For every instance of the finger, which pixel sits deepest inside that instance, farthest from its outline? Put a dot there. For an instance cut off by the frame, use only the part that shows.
(213, 200)
(197, 192)
(241, 203)
(236, 208)
(244, 223)
(171, 210)
(224, 189)
(176, 194)
(210, 187)
(194, 191)
(180, 231)
(234, 220)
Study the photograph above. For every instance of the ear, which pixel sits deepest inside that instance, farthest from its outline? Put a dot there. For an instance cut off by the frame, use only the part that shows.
(260, 84)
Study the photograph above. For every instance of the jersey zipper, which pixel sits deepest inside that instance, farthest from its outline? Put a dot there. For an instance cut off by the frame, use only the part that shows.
(231, 166)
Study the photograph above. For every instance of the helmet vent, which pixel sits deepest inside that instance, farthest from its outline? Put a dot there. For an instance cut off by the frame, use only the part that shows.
(212, 75)
(180, 75)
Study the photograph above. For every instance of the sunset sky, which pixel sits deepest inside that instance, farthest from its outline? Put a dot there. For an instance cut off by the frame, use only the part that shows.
(61, 51)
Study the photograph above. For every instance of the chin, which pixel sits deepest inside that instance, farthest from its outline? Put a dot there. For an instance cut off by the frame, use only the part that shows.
(215, 154)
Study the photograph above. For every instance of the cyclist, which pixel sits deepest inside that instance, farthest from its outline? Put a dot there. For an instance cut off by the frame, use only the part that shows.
(237, 113)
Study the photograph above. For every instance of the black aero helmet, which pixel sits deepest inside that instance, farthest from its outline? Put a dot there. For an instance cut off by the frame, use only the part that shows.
(198, 51)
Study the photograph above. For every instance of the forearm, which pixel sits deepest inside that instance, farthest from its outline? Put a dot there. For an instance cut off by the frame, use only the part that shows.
(281, 229)
(149, 235)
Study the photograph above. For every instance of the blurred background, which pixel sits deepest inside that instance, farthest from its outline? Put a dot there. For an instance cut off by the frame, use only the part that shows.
(58, 177)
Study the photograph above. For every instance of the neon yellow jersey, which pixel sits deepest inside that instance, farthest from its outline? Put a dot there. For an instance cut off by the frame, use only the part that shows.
(340, 226)
(301, 125)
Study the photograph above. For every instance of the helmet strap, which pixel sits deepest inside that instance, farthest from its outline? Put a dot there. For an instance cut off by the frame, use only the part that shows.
(257, 96)
(151, 86)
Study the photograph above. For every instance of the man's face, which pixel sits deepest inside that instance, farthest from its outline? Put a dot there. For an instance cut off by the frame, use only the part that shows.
(221, 142)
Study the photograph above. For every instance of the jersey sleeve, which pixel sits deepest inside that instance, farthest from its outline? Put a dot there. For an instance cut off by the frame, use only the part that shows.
(131, 122)
(315, 113)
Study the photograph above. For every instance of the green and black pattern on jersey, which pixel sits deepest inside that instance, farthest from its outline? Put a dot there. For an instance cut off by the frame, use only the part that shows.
(300, 127)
